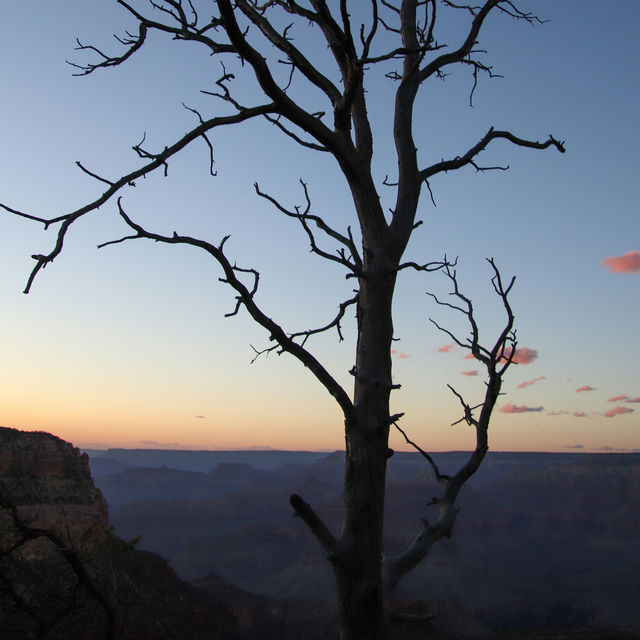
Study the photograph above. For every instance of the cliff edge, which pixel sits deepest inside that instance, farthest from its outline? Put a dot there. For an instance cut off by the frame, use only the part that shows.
(64, 575)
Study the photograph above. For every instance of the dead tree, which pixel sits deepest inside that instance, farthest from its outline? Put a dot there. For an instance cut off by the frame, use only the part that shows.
(400, 36)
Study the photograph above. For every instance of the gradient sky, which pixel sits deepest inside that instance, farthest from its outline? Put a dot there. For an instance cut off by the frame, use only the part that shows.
(128, 345)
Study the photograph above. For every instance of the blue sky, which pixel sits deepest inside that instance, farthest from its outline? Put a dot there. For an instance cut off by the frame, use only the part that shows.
(129, 343)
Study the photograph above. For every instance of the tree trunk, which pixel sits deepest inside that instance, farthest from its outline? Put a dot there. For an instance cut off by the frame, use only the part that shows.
(359, 558)
(358, 561)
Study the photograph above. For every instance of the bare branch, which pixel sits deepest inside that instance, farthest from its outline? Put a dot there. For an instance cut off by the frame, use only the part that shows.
(286, 106)
(395, 567)
(246, 298)
(298, 60)
(468, 410)
(492, 134)
(307, 333)
(93, 175)
(436, 265)
(342, 307)
(463, 52)
(156, 161)
(134, 43)
(183, 29)
(433, 201)
(304, 217)
(312, 520)
(28, 216)
(442, 479)
(206, 139)
(303, 143)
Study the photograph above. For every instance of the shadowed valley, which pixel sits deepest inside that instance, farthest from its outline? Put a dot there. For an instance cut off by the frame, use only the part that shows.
(547, 547)
(546, 541)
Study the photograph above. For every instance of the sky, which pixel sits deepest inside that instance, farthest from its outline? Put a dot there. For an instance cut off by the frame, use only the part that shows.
(129, 345)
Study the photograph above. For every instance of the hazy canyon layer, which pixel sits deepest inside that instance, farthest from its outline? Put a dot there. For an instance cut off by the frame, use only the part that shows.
(542, 540)
(546, 545)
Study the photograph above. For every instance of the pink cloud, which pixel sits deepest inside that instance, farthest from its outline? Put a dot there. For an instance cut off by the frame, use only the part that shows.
(585, 387)
(580, 414)
(447, 347)
(633, 399)
(523, 355)
(556, 412)
(398, 354)
(628, 263)
(469, 373)
(513, 408)
(624, 398)
(617, 411)
(528, 383)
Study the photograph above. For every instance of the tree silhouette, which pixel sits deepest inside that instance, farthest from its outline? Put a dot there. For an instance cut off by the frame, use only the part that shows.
(400, 38)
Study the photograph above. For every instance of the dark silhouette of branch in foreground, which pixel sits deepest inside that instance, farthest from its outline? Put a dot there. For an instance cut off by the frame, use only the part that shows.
(26, 533)
(246, 298)
(496, 364)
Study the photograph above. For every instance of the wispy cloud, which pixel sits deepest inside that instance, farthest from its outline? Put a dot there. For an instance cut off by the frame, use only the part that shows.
(154, 444)
(574, 446)
(399, 354)
(528, 383)
(523, 355)
(199, 417)
(580, 414)
(628, 263)
(557, 412)
(469, 373)
(445, 348)
(585, 387)
(623, 398)
(514, 408)
(607, 448)
(617, 411)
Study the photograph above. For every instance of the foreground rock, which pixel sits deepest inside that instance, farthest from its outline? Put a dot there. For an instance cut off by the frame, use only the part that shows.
(64, 575)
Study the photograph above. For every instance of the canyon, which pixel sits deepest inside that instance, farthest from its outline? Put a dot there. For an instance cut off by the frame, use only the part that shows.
(197, 544)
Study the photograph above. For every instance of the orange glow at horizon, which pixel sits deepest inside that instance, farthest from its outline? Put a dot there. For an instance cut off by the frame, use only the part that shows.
(508, 433)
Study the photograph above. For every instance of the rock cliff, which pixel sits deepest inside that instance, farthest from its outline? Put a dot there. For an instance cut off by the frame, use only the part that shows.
(64, 575)
(50, 483)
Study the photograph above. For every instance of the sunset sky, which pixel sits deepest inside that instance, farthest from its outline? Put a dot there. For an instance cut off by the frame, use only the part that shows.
(128, 345)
